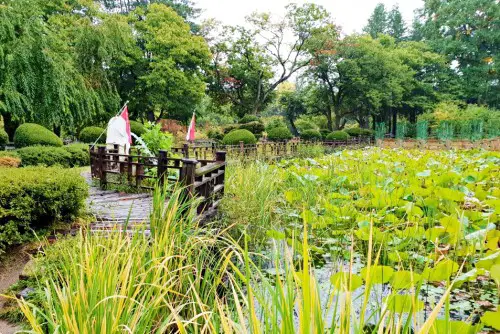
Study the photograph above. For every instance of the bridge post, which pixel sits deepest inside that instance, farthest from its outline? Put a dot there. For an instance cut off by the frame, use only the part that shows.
(101, 155)
(187, 176)
(162, 167)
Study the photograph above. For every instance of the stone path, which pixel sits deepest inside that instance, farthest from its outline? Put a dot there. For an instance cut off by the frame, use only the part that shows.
(112, 208)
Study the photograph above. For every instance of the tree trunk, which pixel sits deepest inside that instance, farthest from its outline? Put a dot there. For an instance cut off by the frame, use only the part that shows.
(151, 116)
(295, 132)
(10, 125)
(57, 130)
(394, 121)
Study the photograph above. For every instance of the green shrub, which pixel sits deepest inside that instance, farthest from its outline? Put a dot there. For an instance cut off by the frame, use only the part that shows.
(137, 128)
(310, 135)
(254, 127)
(80, 155)
(215, 134)
(275, 123)
(30, 134)
(354, 132)
(4, 138)
(90, 134)
(230, 127)
(303, 125)
(338, 135)
(33, 198)
(9, 154)
(279, 134)
(44, 156)
(234, 137)
(367, 133)
(249, 118)
(324, 132)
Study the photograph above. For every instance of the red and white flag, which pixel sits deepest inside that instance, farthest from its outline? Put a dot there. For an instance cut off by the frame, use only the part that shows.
(124, 115)
(190, 136)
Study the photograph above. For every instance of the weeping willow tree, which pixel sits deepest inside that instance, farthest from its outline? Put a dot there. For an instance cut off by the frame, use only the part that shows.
(56, 60)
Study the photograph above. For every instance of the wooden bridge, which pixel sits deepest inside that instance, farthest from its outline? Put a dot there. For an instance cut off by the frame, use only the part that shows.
(114, 176)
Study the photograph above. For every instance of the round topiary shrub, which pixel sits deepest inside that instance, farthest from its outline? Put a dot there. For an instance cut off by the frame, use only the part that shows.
(324, 132)
(249, 118)
(338, 135)
(310, 135)
(137, 128)
(90, 134)
(279, 134)
(29, 134)
(354, 132)
(254, 127)
(4, 138)
(303, 125)
(234, 137)
(367, 133)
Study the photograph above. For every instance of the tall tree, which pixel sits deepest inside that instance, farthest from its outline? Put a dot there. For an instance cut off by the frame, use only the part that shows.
(248, 57)
(171, 80)
(395, 24)
(468, 33)
(377, 23)
(55, 62)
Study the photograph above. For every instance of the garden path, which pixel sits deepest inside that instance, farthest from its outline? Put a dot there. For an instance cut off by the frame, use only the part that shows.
(112, 208)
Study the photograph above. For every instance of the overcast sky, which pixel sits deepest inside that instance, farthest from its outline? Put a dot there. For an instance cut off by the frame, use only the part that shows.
(351, 15)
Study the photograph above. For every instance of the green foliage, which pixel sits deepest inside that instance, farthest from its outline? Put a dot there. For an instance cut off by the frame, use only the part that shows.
(137, 128)
(33, 198)
(234, 137)
(354, 132)
(445, 130)
(254, 127)
(276, 122)
(422, 129)
(303, 125)
(401, 130)
(310, 134)
(80, 155)
(215, 134)
(249, 118)
(279, 133)
(29, 134)
(171, 78)
(44, 156)
(338, 135)
(4, 138)
(380, 130)
(324, 133)
(90, 134)
(156, 140)
(229, 128)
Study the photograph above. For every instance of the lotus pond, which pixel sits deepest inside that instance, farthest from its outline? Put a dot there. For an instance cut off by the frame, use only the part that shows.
(403, 232)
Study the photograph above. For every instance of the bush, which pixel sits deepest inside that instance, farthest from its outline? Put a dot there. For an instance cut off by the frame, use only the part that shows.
(310, 135)
(230, 128)
(80, 155)
(9, 154)
(338, 135)
(279, 134)
(249, 118)
(215, 134)
(324, 132)
(303, 125)
(90, 134)
(33, 198)
(275, 123)
(354, 132)
(4, 138)
(254, 127)
(30, 134)
(367, 133)
(137, 128)
(10, 162)
(44, 156)
(234, 137)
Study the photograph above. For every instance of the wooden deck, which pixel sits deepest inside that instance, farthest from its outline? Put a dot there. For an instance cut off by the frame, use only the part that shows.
(112, 208)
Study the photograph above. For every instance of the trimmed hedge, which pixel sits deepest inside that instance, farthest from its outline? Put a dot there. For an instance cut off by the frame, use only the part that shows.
(4, 138)
(338, 135)
(35, 197)
(90, 134)
(310, 135)
(137, 128)
(324, 133)
(30, 134)
(215, 135)
(80, 155)
(230, 128)
(279, 134)
(75, 155)
(249, 118)
(254, 127)
(234, 137)
(359, 132)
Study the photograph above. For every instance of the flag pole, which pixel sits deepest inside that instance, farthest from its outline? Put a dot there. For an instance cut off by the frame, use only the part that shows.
(107, 126)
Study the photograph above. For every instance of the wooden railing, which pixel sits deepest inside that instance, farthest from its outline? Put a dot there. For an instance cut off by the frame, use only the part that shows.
(263, 149)
(202, 178)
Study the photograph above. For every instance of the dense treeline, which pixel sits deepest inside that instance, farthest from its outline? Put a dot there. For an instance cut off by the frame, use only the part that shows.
(72, 63)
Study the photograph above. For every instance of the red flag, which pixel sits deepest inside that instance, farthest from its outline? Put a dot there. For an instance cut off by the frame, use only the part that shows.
(191, 130)
(124, 115)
